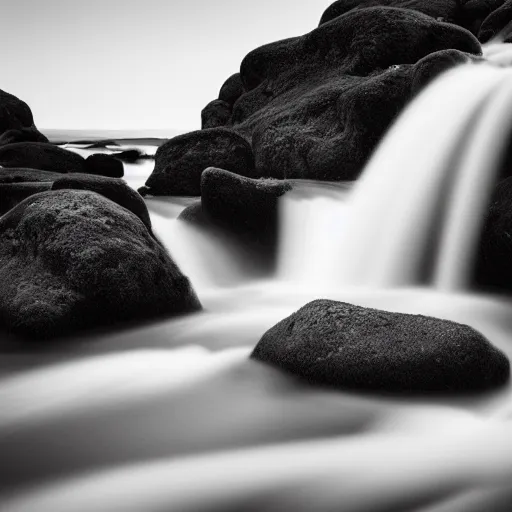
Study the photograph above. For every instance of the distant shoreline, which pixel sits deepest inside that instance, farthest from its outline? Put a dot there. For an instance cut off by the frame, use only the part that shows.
(141, 137)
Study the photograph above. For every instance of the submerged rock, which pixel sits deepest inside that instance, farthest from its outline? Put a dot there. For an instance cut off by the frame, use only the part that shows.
(14, 113)
(22, 135)
(38, 155)
(104, 165)
(73, 259)
(216, 113)
(112, 188)
(180, 162)
(346, 346)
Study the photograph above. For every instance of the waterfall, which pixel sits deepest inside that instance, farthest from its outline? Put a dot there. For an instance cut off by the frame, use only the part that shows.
(415, 214)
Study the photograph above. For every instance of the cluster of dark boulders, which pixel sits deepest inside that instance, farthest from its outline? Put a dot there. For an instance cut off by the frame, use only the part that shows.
(76, 246)
(346, 346)
(315, 106)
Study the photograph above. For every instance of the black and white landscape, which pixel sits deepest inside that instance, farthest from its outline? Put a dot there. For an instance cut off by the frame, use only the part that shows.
(303, 302)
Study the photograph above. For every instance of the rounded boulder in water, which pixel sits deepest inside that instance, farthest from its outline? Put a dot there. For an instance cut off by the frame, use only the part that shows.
(22, 175)
(180, 162)
(12, 194)
(351, 347)
(112, 188)
(216, 113)
(104, 165)
(72, 260)
(38, 155)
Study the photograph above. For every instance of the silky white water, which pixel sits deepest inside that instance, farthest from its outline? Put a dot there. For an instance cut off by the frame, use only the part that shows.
(174, 416)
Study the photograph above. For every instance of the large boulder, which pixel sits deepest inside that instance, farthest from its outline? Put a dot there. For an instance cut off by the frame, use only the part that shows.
(14, 113)
(346, 346)
(445, 10)
(315, 106)
(216, 113)
(112, 188)
(180, 162)
(37, 155)
(104, 165)
(22, 135)
(73, 259)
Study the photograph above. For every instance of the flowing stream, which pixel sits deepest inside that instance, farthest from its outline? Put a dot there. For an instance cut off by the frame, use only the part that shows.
(174, 416)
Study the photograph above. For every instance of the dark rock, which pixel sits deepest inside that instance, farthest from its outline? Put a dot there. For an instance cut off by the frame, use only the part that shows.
(112, 188)
(14, 175)
(129, 156)
(494, 260)
(37, 155)
(442, 10)
(180, 162)
(12, 194)
(433, 65)
(72, 259)
(497, 23)
(14, 113)
(232, 89)
(143, 191)
(22, 135)
(104, 165)
(475, 11)
(216, 113)
(337, 344)
(315, 106)
(245, 206)
(195, 215)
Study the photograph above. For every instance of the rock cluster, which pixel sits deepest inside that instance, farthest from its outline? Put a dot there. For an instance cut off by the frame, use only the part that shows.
(315, 106)
(76, 246)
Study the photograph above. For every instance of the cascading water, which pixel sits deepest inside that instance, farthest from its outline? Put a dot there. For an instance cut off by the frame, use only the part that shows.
(431, 175)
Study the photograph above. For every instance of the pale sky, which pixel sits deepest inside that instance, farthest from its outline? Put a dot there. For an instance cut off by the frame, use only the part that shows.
(134, 64)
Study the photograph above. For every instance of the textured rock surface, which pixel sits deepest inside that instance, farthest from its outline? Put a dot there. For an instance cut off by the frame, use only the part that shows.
(73, 259)
(316, 105)
(446, 10)
(104, 165)
(36, 155)
(231, 89)
(216, 113)
(346, 346)
(180, 162)
(112, 188)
